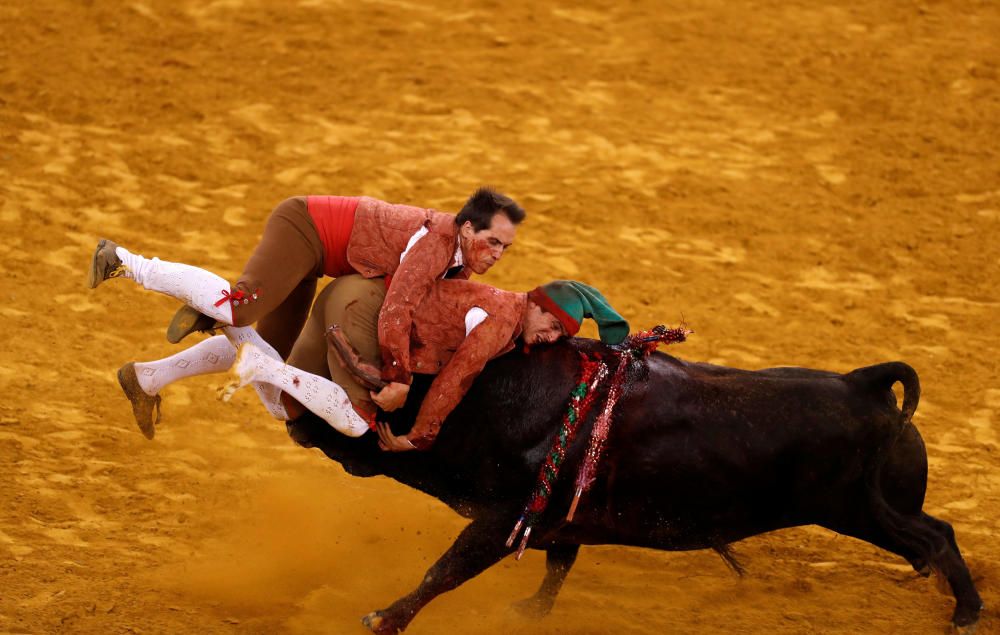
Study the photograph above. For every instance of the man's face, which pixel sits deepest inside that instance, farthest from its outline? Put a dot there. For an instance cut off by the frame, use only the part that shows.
(481, 249)
(540, 326)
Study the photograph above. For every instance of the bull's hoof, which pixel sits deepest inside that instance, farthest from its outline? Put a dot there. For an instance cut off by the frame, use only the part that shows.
(532, 607)
(964, 630)
(966, 619)
(378, 623)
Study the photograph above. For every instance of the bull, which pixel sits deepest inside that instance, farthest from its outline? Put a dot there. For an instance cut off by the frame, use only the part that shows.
(699, 456)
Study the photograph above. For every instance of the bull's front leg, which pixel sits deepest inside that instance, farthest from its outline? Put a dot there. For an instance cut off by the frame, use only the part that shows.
(480, 545)
(559, 560)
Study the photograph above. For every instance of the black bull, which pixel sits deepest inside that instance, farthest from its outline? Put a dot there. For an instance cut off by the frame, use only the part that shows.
(699, 456)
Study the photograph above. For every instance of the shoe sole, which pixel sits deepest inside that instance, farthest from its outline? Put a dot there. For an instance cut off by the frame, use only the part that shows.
(93, 277)
(187, 321)
(228, 389)
(235, 382)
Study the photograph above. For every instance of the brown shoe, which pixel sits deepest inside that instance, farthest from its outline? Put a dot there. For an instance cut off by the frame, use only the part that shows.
(142, 404)
(188, 320)
(104, 264)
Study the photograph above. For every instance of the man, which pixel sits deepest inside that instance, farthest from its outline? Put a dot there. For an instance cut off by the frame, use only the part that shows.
(457, 329)
(304, 239)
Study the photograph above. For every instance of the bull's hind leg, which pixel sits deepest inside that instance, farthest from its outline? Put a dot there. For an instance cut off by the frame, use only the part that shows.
(939, 551)
(480, 545)
(944, 528)
(559, 560)
(952, 566)
(869, 532)
(903, 481)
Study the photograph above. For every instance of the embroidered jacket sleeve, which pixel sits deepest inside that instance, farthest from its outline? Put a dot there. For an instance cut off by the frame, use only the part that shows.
(489, 339)
(426, 261)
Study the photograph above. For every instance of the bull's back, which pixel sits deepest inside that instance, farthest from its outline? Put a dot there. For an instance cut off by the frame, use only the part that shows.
(701, 450)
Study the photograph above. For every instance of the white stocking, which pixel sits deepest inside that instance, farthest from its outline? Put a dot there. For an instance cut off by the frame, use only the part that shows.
(269, 395)
(320, 395)
(198, 288)
(214, 355)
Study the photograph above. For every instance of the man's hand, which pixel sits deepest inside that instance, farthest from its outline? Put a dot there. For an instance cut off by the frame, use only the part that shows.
(390, 442)
(391, 397)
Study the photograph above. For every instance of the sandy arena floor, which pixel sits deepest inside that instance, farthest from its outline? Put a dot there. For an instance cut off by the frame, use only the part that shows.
(805, 183)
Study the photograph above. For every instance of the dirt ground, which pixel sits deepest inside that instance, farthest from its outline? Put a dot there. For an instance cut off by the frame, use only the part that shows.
(812, 184)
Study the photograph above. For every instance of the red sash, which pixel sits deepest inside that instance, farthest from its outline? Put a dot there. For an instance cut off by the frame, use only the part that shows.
(333, 217)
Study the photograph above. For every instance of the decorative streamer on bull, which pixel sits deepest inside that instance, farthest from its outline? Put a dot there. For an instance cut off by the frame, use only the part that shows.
(592, 373)
(599, 433)
(639, 345)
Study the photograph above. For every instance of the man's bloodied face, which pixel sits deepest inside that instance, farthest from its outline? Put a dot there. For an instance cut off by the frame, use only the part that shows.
(540, 326)
(481, 249)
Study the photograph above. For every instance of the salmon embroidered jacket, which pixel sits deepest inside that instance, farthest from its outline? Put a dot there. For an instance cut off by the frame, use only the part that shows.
(380, 236)
(440, 343)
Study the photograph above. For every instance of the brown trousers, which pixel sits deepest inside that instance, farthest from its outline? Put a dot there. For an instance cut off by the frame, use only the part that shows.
(354, 303)
(282, 270)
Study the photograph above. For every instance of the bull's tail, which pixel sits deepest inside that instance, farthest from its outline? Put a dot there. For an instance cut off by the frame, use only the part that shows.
(881, 377)
(903, 528)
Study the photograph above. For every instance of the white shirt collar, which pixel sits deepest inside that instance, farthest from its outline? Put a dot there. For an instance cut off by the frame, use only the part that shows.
(457, 260)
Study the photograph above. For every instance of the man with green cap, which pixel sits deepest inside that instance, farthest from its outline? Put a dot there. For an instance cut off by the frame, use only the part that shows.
(457, 329)
(572, 301)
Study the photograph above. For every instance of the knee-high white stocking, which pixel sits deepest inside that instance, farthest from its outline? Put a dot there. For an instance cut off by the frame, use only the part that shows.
(320, 395)
(195, 287)
(269, 395)
(214, 355)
